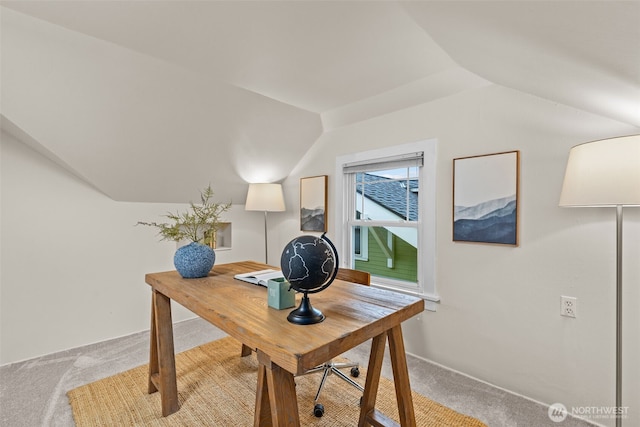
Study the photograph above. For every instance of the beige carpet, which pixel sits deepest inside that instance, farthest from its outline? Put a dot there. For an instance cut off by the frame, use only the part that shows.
(217, 388)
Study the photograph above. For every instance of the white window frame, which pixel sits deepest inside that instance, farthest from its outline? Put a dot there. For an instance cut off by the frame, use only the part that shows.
(426, 285)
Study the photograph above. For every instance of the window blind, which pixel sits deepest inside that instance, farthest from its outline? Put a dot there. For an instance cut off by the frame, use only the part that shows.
(384, 163)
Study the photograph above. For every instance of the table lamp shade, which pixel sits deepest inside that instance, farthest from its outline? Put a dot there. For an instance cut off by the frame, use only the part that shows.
(603, 173)
(265, 197)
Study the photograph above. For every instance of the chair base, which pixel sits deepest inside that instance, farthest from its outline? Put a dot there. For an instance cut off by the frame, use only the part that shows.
(331, 368)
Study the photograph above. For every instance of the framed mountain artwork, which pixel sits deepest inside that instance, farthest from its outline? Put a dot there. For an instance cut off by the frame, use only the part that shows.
(313, 203)
(485, 198)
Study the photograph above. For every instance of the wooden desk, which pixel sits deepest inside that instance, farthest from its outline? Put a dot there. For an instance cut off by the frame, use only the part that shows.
(355, 314)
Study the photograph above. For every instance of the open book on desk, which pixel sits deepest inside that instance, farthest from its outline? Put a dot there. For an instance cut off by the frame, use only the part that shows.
(260, 277)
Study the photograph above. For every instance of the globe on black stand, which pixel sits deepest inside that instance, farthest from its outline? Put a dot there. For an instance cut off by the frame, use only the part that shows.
(305, 314)
(310, 265)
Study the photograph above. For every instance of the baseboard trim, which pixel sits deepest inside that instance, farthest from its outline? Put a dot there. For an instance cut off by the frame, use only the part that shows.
(522, 396)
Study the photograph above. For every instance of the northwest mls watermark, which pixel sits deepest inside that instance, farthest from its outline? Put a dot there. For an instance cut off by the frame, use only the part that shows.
(558, 412)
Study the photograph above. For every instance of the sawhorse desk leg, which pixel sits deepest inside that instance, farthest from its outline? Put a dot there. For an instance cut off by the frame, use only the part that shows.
(276, 402)
(162, 363)
(368, 413)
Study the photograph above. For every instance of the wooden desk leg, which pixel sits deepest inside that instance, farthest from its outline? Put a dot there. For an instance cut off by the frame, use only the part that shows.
(368, 405)
(262, 416)
(246, 351)
(401, 377)
(153, 349)
(279, 390)
(162, 364)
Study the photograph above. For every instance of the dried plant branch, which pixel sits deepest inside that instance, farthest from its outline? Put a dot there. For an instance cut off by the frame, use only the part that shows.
(200, 224)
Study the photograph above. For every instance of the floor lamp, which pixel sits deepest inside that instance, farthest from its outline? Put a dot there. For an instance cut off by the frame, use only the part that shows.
(606, 173)
(266, 198)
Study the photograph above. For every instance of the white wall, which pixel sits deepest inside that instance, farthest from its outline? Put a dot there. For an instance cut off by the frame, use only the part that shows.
(73, 265)
(499, 316)
(72, 262)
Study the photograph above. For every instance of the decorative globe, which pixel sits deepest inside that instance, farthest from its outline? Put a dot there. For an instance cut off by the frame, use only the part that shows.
(194, 260)
(310, 265)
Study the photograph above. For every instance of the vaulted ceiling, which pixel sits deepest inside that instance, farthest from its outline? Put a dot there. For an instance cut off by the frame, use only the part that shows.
(149, 100)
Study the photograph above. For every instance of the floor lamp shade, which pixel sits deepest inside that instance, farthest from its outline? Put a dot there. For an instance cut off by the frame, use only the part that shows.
(265, 197)
(600, 174)
(603, 173)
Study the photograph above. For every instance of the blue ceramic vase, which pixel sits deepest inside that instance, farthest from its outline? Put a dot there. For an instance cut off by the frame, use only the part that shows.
(194, 260)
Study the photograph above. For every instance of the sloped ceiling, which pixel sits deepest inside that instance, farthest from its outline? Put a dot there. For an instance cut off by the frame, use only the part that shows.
(149, 100)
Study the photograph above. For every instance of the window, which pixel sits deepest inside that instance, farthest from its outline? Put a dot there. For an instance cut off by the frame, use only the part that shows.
(386, 216)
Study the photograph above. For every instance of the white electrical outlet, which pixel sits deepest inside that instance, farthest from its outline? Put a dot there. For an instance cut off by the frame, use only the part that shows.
(568, 306)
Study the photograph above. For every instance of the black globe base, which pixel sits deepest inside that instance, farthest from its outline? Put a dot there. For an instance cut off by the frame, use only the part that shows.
(305, 314)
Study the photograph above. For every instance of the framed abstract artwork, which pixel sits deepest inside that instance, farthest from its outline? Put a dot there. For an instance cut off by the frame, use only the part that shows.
(313, 203)
(485, 198)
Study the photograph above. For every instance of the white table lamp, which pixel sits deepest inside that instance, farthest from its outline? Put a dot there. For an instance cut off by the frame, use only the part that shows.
(606, 173)
(266, 198)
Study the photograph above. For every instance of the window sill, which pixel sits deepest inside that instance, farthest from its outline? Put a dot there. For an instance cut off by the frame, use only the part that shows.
(430, 300)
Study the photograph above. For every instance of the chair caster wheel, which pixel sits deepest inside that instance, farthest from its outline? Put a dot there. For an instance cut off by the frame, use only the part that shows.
(318, 410)
(355, 372)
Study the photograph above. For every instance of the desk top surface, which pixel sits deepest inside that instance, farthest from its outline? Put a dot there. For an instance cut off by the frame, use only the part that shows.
(354, 313)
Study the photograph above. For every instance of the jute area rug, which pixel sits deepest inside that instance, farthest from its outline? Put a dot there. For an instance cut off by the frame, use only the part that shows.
(217, 388)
